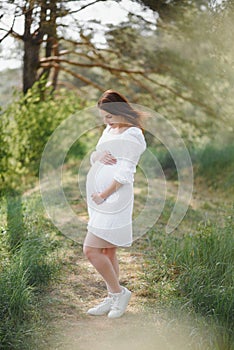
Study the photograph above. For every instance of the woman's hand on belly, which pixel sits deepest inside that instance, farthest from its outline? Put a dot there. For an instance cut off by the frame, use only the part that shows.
(107, 158)
(96, 197)
(99, 198)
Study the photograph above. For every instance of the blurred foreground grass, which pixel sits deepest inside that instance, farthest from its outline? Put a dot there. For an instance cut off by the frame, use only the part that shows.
(28, 265)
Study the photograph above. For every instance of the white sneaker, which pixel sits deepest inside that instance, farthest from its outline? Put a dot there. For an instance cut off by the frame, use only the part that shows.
(102, 308)
(120, 303)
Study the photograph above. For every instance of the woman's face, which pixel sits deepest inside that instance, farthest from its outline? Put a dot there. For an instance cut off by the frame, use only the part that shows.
(114, 121)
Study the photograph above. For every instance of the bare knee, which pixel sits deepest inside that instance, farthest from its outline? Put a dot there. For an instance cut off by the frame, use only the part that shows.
(90, 252)
(87, 251)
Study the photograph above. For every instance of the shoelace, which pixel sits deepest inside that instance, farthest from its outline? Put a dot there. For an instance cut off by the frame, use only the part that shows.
(115, 305)
(105, 300)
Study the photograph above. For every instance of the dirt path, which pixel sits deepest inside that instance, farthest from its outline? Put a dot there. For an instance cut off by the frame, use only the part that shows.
(80, 288)
(142, 326)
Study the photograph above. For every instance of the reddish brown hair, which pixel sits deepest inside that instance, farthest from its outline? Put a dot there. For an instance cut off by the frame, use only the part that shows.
(114, 103)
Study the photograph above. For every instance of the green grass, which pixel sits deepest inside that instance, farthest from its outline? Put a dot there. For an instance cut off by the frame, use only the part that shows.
(197, 271)
(27, 268)
(215, 158)
(215, 163)
(190, 272)
(17, 311)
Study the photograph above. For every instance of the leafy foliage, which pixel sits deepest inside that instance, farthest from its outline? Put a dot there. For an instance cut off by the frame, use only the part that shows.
(27, 125)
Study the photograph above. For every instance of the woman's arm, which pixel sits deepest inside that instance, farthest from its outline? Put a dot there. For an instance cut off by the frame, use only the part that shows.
(114, 186)
(98, 198)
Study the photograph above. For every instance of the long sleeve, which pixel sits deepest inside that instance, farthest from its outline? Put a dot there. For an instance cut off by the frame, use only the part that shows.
(125, 172)
(132, 146)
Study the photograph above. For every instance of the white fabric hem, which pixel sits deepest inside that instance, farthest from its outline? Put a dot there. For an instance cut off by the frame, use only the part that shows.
(93, 230)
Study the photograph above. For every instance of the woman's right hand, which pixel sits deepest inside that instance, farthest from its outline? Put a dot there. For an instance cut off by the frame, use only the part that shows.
(107, 158)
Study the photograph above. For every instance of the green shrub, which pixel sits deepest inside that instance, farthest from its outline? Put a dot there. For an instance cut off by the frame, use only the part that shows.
(4, 148)
(27, 124)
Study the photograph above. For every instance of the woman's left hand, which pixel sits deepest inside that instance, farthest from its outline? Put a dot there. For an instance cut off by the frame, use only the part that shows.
(96, 197)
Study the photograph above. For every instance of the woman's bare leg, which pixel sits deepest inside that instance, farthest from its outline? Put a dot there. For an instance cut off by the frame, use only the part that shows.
(103, 264)
(111, 253)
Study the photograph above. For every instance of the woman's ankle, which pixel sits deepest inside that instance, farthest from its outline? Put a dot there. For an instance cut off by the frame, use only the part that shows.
(116, 290)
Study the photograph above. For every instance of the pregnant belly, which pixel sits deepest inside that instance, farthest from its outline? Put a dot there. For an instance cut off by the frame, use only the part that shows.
(100, 176)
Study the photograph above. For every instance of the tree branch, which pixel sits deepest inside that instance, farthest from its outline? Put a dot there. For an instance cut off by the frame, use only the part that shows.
(8, 32)
(189, 99)
(90, 65)
(6, 35)
(144, 87)
(76, 75)
(83, 7)
(141, 18)
(76, 43)
(67, 84)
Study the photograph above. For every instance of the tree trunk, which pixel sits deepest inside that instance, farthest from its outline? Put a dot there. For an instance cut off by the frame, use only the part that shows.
(32, 43)
(56, 68)
(31, 50)
(31, 62)
(50, 28)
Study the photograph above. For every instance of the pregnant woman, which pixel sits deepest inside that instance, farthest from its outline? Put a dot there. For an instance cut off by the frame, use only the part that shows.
(110, 196)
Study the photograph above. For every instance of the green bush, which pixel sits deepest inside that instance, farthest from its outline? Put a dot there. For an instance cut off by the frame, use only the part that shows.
(27, 124)
(4, 148)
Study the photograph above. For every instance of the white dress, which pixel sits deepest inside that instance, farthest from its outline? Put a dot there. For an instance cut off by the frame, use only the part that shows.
(112, 220)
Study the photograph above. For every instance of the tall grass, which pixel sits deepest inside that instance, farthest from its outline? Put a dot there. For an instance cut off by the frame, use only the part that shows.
(198, 269)
(206, 277)
(215, 158)
(38, 261)
(15, 225)
(26, 269)
(210, 161)
(215, 163)
(17, 310)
